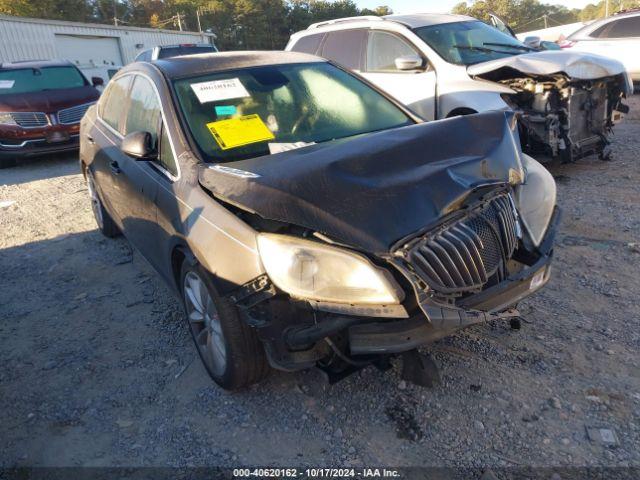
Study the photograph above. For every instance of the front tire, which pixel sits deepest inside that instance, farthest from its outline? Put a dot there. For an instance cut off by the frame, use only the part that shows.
(229, 349)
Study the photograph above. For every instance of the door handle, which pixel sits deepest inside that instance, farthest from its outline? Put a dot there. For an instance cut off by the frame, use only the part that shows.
(115, 168)
(90, 139)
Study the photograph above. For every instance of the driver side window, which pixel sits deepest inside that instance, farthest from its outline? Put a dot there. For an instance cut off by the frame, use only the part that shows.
(382, 50)
(145, 115)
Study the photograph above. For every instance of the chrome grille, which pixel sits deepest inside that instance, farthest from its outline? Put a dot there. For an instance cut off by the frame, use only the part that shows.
(72, 115)
(30, 119)
(464, 255)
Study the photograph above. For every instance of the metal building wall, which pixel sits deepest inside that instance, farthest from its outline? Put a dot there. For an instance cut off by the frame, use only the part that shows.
(34, 39)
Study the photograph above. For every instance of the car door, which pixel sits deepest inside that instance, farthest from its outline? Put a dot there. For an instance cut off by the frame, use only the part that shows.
(619, 39)
(106, 138)
(135, 179)
(415, 88)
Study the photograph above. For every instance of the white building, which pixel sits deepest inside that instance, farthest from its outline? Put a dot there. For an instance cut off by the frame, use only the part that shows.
(98, 50)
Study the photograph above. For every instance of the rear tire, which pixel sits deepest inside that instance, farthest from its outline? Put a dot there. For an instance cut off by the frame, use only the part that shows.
(229, 349)
(106, 225)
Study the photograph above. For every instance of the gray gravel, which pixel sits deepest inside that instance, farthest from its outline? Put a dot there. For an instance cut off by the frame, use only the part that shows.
(98, 368)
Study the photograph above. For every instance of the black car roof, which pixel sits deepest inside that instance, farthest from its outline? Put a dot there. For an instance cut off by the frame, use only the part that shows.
(203, 63)
(34, 64)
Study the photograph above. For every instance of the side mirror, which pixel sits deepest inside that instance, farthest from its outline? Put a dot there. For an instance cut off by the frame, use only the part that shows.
(409, 62)
(533, 42)
(139, 145)
(97, 81)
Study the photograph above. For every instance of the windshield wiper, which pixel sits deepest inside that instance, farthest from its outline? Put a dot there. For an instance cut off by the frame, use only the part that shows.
(518, 47)
(481, 49)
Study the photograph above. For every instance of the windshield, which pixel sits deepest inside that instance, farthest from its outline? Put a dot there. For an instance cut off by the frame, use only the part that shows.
(466, 43)
(256, 111)
(168, 52)
(29, 80)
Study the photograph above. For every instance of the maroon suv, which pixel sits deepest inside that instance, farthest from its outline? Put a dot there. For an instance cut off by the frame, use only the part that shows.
(41, 105)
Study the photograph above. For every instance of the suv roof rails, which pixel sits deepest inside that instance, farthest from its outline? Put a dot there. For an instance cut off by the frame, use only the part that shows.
(346, 19)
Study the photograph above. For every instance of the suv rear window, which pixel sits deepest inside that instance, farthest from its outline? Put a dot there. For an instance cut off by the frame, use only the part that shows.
(308, 44)
(28, 80)
(345, 47)
(168, 52)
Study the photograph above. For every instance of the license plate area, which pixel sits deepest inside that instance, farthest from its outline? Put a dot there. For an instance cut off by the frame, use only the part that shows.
(57, 137)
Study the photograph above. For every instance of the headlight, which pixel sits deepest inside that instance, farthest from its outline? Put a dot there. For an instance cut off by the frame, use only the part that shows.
(536, 199)
(6, 119)
(314, 271)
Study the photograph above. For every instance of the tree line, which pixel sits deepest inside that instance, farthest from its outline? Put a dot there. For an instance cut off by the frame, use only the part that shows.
(267, 24)
(527, 15)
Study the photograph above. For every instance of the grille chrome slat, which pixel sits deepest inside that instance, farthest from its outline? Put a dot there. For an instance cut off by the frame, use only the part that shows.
(471, 269)
(437, 265)
(462, 256)
(30, 119)
(452, 268)
(474, 252)
(72, 115)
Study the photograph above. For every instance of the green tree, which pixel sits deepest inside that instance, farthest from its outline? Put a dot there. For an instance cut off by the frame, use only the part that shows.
(380, 11)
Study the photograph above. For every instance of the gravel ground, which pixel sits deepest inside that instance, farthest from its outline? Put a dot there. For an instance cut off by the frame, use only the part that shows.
(98, 368)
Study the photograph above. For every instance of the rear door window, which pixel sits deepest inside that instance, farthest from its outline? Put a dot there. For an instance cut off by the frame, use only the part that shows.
(345, 47)
(308, 44)
(113, 101)
(382, 50)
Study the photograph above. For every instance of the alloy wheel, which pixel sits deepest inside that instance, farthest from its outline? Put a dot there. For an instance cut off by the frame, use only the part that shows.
(204, 321)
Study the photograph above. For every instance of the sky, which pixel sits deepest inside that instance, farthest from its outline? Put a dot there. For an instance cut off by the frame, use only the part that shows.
(438, 6)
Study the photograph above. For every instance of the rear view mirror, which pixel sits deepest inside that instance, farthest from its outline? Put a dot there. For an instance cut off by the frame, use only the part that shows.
(139, 145)
(97, 81)
(409, 62)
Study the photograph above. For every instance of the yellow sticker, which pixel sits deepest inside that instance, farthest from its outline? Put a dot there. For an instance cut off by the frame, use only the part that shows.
(239, 131)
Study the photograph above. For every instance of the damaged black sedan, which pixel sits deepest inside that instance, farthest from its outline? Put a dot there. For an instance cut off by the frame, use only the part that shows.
(307, 219)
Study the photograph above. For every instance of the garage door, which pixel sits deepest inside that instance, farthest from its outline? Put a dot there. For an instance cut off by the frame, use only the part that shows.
(89, 51)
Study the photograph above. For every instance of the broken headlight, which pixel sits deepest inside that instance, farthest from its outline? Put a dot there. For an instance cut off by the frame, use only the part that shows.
(314, 271)
(536, 199)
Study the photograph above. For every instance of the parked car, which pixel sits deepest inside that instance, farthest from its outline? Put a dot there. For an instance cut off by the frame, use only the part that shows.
(168, 51)
(305, 217)
(446, 65)
(617, 37)
(41, 104)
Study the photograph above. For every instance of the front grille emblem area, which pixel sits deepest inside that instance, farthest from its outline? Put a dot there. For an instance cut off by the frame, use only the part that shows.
(464, 255)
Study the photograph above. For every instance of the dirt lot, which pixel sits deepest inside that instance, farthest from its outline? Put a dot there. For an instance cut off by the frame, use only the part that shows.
(98, 368)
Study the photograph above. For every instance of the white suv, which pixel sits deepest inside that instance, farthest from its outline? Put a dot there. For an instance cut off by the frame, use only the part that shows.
(443, 65)
(617, 37)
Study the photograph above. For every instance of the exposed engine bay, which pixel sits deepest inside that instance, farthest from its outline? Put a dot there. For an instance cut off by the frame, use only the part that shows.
(567, 119)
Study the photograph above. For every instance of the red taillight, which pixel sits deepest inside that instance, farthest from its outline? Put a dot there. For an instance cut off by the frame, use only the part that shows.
(187, 44)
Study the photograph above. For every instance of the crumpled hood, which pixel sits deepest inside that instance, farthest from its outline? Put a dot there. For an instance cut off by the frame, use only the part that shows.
(49, 101)
(578, 65)
(373, 190)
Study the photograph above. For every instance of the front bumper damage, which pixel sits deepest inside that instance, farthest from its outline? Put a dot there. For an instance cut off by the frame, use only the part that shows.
(294, 333)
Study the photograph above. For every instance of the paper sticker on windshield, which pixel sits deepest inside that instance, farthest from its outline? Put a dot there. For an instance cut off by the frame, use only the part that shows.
(226, 110)
(7, 83)
(236, 132)
(219, 90)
